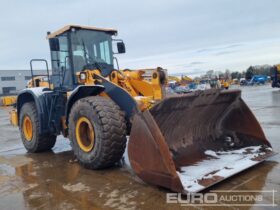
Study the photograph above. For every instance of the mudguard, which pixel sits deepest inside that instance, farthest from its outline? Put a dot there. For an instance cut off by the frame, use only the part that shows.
(39, 97)
(80, 92)
(120, 96)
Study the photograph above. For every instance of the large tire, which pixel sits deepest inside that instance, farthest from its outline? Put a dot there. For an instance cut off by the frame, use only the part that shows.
(107, 144)
(31, 139)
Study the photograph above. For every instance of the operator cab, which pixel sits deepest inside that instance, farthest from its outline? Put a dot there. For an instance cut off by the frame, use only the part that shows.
(76, 48)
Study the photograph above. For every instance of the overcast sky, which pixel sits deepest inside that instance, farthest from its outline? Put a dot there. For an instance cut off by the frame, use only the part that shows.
(189, 36)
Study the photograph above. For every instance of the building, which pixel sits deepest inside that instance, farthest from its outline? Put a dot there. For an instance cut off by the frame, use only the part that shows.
(12, 81)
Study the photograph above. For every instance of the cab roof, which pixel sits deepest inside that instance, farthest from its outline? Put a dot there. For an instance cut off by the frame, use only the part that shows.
(69, 27)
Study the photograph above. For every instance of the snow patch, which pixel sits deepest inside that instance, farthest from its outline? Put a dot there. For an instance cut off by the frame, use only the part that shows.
(211, 153)
(221, 163)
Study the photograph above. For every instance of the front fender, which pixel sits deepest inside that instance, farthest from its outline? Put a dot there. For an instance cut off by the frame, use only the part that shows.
(81, 92)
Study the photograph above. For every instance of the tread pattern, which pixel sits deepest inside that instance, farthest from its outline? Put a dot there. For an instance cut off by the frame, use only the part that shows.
(39, 142)
(111, 132)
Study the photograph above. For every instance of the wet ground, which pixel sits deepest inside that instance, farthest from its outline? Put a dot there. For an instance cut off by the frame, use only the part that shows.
(54, 180)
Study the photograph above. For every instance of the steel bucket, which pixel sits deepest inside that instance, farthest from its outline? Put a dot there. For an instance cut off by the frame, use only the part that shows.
(188, 143)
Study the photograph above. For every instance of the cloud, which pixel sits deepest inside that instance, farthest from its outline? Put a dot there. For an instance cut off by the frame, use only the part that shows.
(157, 33)
(225, 52)
(196, 63)
(190, 61)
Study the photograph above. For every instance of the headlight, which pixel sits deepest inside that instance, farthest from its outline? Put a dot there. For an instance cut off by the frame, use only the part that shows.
(83, 76)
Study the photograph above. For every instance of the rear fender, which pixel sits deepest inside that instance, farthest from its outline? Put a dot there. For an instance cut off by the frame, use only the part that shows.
(38, 96)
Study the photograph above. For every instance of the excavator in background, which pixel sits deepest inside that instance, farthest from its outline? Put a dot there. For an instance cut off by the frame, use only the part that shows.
(180, 85)
(275, 77)
(183, 80)
(184, 143)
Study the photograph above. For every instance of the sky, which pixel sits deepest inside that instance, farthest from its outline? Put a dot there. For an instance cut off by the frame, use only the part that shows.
(183, 36)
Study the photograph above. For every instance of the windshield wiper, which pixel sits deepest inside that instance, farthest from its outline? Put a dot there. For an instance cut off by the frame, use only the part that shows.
(88, 63)
(85, 52)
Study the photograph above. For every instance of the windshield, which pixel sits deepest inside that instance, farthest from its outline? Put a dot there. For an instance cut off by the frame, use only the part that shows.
(87, 50)
(91, 48)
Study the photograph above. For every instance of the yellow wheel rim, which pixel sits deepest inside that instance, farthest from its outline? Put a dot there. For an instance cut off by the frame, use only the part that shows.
(27, 128)
(85, 134)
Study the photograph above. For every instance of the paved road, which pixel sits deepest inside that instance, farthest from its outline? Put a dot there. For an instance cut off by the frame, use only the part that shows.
(54, 180)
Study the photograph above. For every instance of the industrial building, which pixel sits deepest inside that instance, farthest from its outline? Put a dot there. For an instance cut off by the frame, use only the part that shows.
(12, 81)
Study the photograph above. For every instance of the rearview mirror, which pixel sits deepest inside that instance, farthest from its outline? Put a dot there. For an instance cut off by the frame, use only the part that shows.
(54, 44)
(121, 47)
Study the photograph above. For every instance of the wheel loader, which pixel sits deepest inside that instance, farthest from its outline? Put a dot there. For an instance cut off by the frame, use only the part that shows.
(184, 143)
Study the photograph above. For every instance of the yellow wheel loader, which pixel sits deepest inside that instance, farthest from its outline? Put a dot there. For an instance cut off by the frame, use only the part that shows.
(184, 143)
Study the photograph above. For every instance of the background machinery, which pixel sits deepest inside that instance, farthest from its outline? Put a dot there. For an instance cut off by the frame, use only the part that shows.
(224, 84)
(38, 81)
(8, 100)
(177, 142)
(258, 80)
(275, 77)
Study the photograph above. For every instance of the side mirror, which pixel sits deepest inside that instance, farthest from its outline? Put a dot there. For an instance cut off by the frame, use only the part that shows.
(121, 47)
(54, 44)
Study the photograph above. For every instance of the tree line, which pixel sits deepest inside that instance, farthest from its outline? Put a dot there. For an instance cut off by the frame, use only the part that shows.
(247, 74)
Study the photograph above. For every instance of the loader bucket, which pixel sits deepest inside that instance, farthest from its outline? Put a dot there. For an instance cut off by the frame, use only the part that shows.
(188, 143)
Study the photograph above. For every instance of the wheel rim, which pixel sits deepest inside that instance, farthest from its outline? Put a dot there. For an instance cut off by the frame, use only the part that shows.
(85, 134)
(27, 128)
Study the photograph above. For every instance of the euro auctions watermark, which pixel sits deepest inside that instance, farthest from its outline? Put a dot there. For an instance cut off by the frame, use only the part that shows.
(224, 197)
